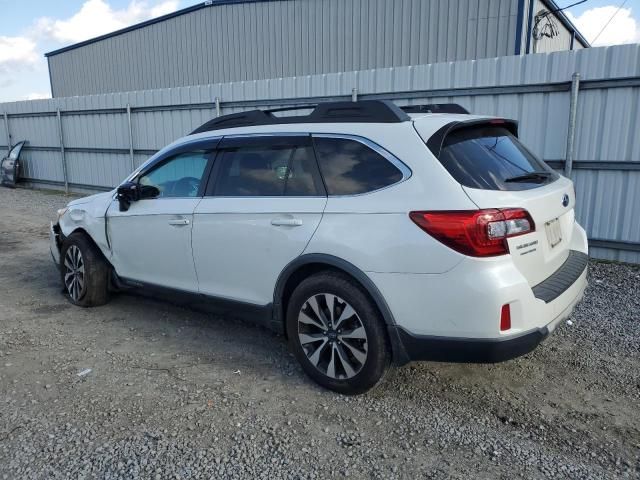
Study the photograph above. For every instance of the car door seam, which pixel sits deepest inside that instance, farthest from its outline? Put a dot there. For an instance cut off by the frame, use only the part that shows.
(193, 258)
(315, 229)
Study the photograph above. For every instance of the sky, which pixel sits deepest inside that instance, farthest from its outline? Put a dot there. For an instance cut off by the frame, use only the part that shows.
(30, 28)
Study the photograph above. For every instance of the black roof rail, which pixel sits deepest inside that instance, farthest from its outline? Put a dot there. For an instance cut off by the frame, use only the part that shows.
(435, 108)
(364, 111)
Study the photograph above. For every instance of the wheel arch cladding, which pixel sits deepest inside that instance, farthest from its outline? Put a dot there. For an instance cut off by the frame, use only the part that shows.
(309, 264)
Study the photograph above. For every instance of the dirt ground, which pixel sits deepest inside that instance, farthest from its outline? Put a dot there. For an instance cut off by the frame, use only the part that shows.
(174, 393)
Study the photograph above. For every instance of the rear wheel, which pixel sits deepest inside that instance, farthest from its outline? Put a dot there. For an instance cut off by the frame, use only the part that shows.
(84, 271)
(337, 334)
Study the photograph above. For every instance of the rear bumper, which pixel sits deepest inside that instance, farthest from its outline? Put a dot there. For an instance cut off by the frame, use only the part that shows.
(408, 346)
(468, 350)
(454, 316)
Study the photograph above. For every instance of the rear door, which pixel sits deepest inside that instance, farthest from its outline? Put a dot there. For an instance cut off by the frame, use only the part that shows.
(497, 171)
(263, 204)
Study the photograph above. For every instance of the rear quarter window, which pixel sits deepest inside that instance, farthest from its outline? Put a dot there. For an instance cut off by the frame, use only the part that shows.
(350, 167)
(490, 158)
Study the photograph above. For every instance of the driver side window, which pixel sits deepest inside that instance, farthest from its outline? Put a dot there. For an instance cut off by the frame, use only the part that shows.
(179, 176)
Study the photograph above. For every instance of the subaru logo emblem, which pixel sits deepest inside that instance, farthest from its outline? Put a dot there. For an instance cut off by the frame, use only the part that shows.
(565, 200)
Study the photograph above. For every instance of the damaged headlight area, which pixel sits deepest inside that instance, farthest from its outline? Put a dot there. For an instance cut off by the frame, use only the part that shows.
(60, 213)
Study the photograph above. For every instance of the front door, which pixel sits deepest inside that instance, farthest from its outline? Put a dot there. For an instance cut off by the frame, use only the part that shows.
(262, 207)
(151, 242)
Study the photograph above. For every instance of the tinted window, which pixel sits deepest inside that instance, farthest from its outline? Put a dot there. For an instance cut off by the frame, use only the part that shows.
(485, 157)
(180, 176)
(350, 167)
(304, 178)
(267, 170)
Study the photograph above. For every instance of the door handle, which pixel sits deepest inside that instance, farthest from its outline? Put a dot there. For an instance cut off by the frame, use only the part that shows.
(286, 222)
(179, 222)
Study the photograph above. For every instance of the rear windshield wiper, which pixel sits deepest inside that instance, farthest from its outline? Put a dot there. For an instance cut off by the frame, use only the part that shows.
(530, 177)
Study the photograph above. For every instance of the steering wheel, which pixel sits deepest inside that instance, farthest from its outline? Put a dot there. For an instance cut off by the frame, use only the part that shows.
(186, 187)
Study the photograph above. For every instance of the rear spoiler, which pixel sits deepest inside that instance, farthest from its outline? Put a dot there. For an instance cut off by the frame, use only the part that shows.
(436, 140)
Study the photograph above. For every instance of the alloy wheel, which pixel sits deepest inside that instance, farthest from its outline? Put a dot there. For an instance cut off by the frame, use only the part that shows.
(74, 273)
(332, 336)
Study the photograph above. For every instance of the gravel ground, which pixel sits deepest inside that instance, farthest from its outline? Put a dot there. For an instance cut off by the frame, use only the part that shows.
(174, 393)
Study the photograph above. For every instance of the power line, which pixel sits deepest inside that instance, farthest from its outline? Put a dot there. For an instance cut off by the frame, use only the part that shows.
(609, 21)
(548, 12)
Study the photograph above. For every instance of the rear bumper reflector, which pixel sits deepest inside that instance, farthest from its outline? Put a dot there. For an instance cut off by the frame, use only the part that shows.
(555, 285)
(505, 318)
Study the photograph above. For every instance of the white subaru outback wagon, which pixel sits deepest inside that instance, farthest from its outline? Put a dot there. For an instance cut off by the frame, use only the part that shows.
(366, 233)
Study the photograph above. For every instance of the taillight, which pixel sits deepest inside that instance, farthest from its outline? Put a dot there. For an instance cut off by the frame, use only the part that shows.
(505, 318)
(477, 233)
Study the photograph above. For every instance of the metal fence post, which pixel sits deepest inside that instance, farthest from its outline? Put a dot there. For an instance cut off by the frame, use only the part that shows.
(133, 162)
(64, 160)
(217, 106)
(354, 94)
(6, 129)
(571, 132)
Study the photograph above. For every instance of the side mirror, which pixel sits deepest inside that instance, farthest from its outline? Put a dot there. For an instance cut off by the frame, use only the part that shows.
(148, 191)
(127, 193)
(132, 192)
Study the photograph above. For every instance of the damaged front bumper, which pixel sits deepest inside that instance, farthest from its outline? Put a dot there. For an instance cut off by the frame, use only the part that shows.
(55, 242)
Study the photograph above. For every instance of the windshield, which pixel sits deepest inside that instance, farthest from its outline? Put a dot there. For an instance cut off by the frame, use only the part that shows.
(491, 158)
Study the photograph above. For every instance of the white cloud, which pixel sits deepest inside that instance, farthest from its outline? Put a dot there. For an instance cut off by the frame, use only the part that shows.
(97, 17)
(164, 8)
(16, 52)
(23, 69)
(622, 29)
(37, 96)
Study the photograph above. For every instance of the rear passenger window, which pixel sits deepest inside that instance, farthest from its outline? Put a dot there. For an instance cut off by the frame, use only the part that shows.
(350, 167)
(267, 168)
(303, 178)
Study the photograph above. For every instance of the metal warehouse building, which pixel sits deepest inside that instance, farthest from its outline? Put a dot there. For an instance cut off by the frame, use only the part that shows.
(232, 40)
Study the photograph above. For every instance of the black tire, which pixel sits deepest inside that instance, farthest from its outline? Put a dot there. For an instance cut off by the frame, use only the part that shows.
(369, 373)
(95, 279)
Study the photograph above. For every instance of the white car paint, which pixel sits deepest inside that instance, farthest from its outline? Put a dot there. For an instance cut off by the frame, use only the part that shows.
(465, 301)
(88, 214)
(152, 242)
(242, 244)
(230, 248)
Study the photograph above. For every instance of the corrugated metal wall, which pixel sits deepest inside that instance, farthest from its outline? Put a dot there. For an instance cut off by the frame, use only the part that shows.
(280, 38)
(545, 45)
(560, 42)
(533, 89)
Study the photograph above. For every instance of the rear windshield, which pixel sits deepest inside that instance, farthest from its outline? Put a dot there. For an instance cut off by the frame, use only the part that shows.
(491, 158)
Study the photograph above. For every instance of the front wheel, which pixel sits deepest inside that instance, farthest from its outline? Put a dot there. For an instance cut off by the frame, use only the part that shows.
(84, 271)
(337, 333)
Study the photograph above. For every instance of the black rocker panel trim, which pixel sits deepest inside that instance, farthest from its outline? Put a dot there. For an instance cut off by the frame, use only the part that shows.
(256, 314)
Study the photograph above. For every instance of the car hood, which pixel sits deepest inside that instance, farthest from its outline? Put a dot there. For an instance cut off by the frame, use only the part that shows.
(98, 197)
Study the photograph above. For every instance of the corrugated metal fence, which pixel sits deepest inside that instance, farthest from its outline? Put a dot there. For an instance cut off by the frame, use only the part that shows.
(98, 139)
